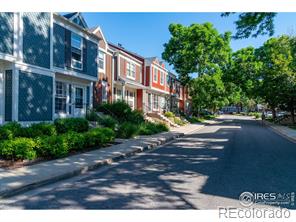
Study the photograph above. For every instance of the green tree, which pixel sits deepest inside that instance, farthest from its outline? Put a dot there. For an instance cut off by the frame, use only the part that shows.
(241, 77)
(278, 74)
(198, 48)
(208, 92)
(253, 24)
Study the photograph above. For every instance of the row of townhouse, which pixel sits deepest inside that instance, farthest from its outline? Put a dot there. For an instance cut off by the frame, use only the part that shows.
(54, 66)
(144, 83)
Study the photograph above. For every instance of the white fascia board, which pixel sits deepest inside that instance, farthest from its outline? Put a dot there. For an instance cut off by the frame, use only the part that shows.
(76, 74)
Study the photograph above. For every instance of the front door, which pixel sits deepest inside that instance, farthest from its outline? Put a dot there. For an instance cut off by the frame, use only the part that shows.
(79, 101)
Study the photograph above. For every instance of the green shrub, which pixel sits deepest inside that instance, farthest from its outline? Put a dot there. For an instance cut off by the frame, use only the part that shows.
(39, 129)
(178, 121)
(18, 148)
(149, 128)
(10, 130)
(65, 125)
(91, 115)
(108, 121)
(99, 137)
(5, 134)
(169, 114)
(75, 141)
(119, 110)
(136, 117)
(127, 130)
(257, 115)
(209, 117)
(122, 112)
(195, 119)
(52, 146)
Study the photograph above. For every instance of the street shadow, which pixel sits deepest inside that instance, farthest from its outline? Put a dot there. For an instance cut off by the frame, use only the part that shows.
(223, 161)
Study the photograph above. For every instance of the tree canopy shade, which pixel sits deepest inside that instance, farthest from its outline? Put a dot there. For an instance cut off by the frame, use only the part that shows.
(198, 48)
(253, 24)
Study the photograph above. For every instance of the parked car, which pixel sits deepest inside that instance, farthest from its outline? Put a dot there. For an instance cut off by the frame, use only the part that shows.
(268, 114)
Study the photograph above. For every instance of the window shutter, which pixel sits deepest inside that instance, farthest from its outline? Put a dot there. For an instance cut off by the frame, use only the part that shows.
(68, 48)
(84, 57)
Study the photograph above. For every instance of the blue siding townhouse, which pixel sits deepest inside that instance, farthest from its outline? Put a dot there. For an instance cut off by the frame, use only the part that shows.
(48, 63)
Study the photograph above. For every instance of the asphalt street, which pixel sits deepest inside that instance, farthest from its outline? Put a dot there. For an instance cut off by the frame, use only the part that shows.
(207, 169)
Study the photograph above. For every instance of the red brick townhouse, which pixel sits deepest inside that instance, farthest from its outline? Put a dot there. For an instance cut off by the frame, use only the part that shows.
(128, 76)
(155, 79)
(144, 83)
(103, 87)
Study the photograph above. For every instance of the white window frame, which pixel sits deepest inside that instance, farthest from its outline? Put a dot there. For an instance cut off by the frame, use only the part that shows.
(131, 70)
(82, 97)
(61, 96)
(155, 73)
(73, 61)
(103, 59)
(161, 78)
(153, 102)
(104, 91)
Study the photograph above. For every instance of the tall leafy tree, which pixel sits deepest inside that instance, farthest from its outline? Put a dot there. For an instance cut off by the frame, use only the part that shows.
(198, 48)
(278, 73)
(241, 76)
(208, 92)
(253, 24)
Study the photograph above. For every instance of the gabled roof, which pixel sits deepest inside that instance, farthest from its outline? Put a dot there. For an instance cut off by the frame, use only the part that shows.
(98, 29)
(77, 18)
(119, 47)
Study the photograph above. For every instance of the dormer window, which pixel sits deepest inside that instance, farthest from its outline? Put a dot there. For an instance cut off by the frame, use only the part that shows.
(76, 51)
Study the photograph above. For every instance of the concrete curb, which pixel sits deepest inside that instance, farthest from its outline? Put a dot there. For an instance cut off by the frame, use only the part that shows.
(66, 175)
(279, 131)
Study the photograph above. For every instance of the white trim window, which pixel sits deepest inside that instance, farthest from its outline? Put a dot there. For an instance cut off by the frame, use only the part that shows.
(162, 78)
(155, 101)
(104, 91)
(130, 70)
(101, 60)
(60, 97)
(76, 51)
(155, 75)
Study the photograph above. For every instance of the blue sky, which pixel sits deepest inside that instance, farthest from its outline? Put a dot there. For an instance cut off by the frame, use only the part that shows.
(145, 33)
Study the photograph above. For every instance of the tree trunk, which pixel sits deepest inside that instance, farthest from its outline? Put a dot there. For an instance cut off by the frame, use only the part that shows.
(273, 114)
(293, 115)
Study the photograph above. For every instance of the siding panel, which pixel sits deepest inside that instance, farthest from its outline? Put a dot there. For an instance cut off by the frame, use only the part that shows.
(36, 39)
(35, 97)
(58, 46)
(6, 33)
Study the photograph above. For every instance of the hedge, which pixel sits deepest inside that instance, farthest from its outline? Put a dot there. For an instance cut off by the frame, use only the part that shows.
(78, 125)
(18, 148)
(99, 137)
(54, 146)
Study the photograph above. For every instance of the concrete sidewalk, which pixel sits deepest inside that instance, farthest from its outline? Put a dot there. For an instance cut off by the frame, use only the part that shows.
(282, 130)
(26, 178)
